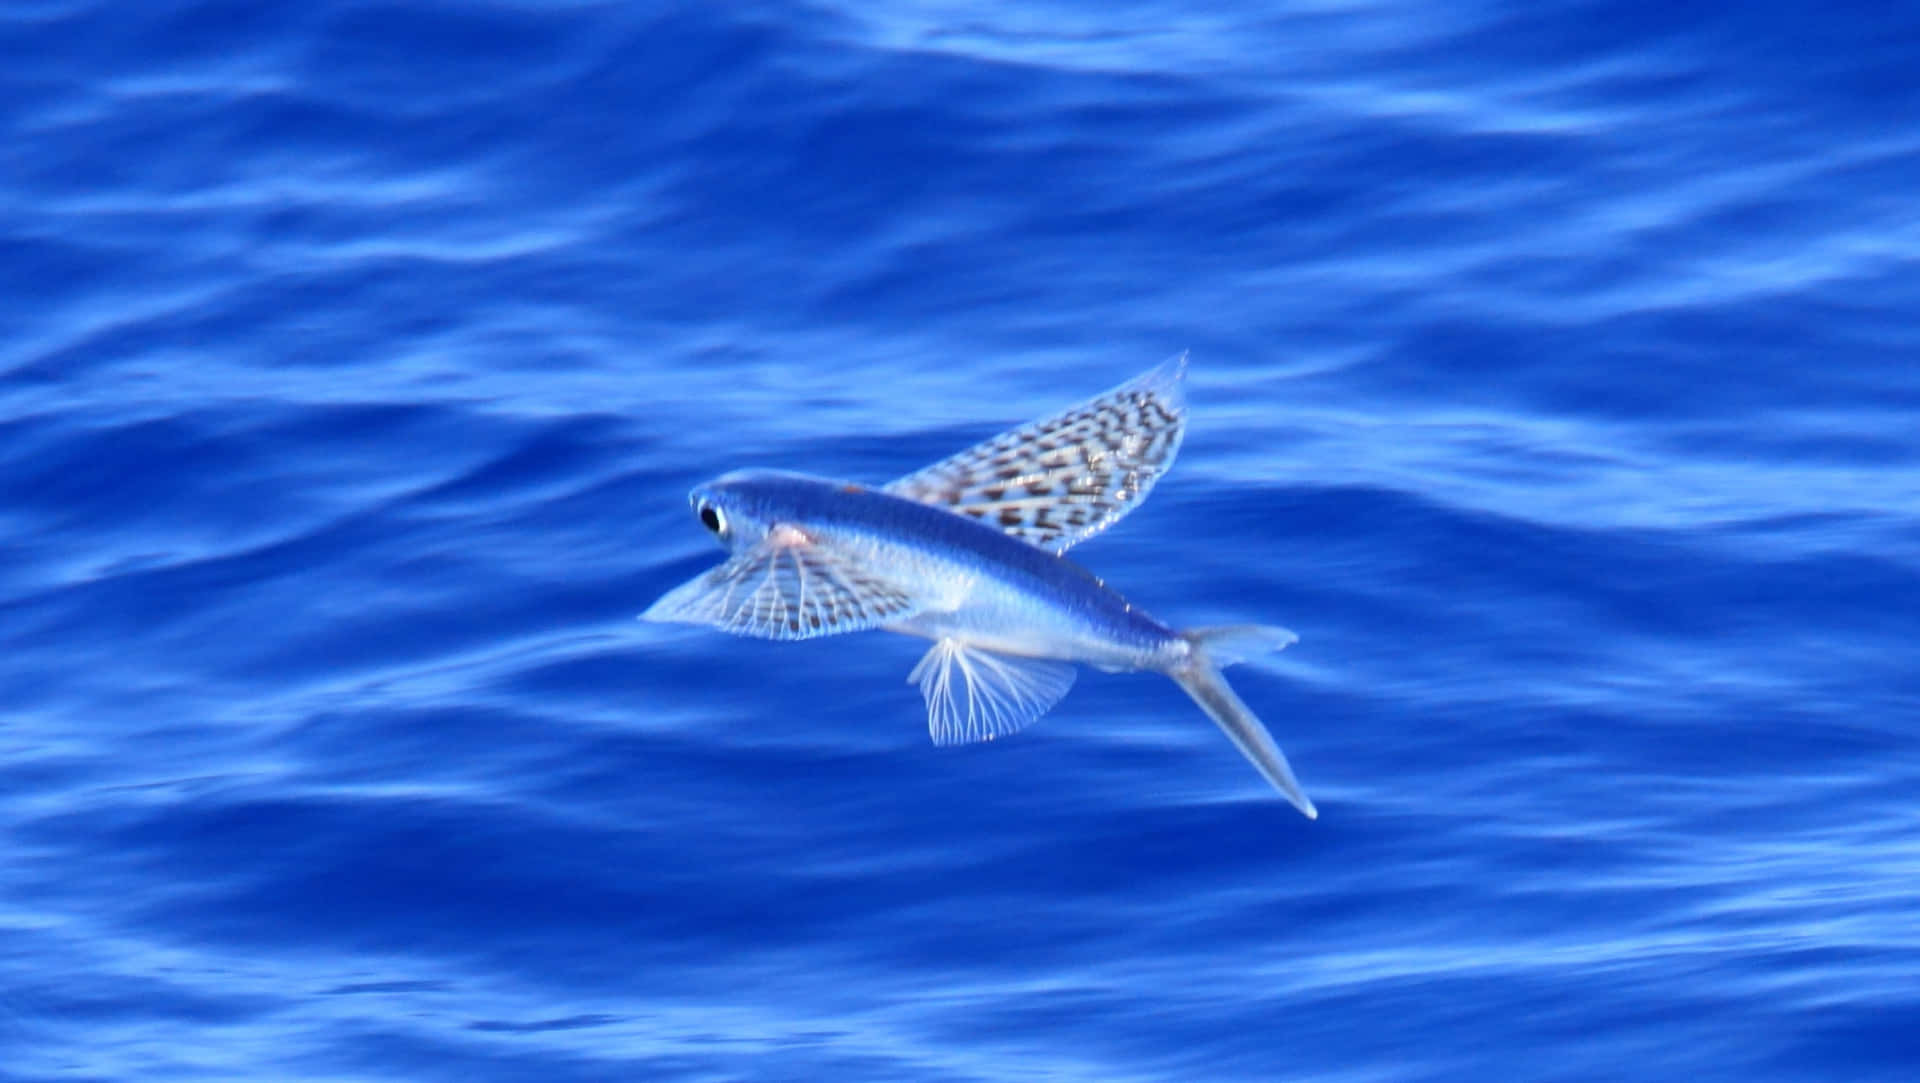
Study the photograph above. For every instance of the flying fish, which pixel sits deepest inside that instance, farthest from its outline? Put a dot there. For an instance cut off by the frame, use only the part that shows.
(967, 553)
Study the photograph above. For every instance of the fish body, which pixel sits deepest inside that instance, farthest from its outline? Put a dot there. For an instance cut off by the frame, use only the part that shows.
(967, 553)
(983, 586)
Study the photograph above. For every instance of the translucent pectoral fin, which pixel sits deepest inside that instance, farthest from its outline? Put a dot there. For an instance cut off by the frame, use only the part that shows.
(788, 587)
(976, 695)
(1063, 479)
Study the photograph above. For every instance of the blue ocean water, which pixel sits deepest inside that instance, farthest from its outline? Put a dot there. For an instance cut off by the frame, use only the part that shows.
(1555, 376)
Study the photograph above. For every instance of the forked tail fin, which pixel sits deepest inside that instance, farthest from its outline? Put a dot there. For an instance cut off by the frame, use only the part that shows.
(1200, 675)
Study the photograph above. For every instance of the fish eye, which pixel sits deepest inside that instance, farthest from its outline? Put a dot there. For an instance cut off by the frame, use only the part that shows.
(711, 518)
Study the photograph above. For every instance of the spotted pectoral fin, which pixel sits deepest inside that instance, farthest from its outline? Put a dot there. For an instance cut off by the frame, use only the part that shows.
(788, 587)
(977, 695)
(1063, 479)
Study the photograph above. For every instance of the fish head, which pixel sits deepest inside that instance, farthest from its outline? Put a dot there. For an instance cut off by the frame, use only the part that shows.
(742, 508)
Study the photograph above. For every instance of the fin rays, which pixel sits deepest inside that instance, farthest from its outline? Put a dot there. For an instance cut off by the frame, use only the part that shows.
(788, 587)
(1063, 479)
(994, 695)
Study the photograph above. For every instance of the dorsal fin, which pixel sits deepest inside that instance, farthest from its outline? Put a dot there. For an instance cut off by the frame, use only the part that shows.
(1063, 479)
